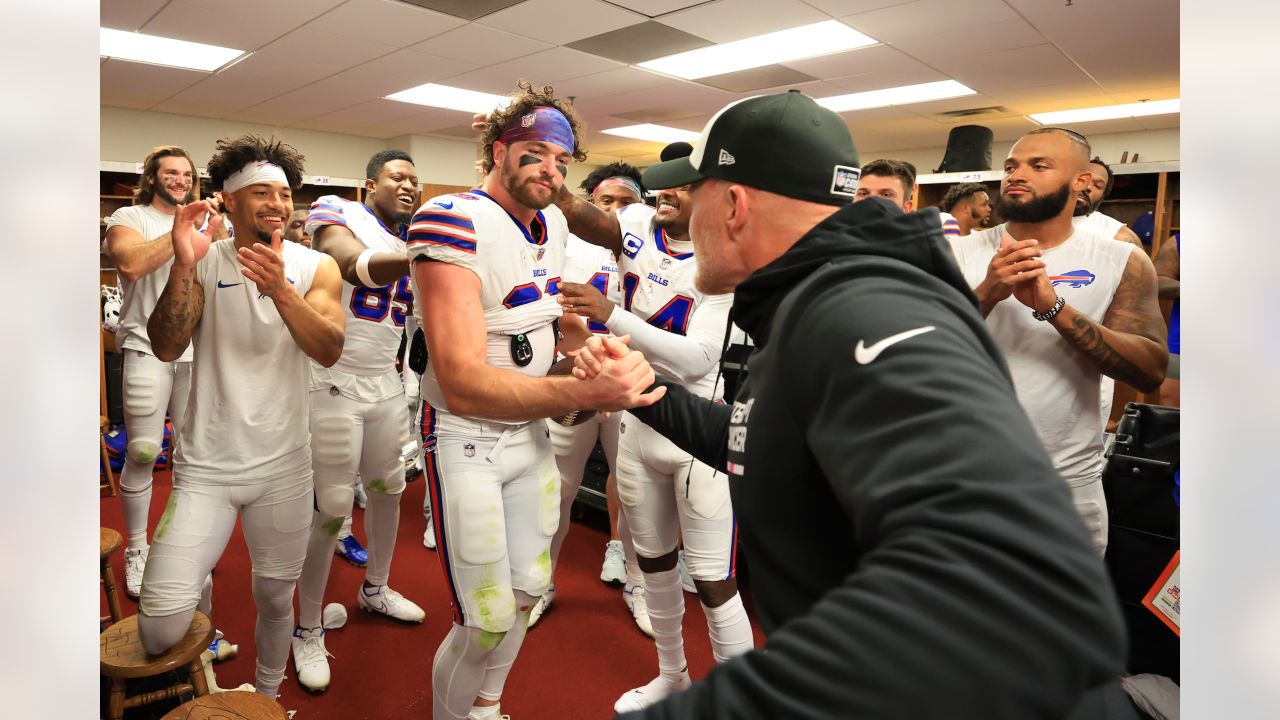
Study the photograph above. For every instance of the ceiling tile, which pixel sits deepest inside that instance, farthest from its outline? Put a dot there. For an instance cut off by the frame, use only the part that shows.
(1003, 35)
(929, 17)
(1012, 69)
(726, 20)
(841, 8)
(561, 21)
(639, 43)
(685, 98)
(465, 9)
(388, 22)
(611, 82)
(272, 71)
(127, 14)
(241, 24)
(756, 79)
(889, 62)
(654, 8)
(546, 67)
(480, 45)
(138, 85)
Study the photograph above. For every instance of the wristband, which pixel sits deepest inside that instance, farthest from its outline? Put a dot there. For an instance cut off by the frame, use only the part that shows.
(1051, 312)
(362, 268)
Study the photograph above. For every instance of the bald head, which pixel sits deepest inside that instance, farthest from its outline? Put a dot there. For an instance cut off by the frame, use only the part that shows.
(1078, 143)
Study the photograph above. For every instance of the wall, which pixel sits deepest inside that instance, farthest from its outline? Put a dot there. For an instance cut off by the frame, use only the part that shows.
(1151, 145)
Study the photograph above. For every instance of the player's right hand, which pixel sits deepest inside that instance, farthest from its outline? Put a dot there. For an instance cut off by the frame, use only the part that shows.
(1015, 262)
(189, 244)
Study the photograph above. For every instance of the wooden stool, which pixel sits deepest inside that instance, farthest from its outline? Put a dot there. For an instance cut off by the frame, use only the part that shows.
(122, 658)
(237, 704)
(108, 542)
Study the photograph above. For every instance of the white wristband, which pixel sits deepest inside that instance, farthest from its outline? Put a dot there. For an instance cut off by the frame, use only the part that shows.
(362, 268)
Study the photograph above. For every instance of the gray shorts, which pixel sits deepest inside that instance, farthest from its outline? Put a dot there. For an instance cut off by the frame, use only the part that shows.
(1175, 367)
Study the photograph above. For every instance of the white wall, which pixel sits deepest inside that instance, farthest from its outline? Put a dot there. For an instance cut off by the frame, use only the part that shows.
(1151, 145)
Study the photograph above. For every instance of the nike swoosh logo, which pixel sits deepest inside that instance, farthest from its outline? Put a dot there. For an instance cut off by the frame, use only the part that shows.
(445, 204)
(864, 355)
(223, 285)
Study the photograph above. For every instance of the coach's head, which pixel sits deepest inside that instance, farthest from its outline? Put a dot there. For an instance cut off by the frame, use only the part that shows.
(764, 171)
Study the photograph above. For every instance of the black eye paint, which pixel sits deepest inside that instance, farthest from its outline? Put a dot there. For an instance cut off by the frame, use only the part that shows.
(562, 169)
(530, 160)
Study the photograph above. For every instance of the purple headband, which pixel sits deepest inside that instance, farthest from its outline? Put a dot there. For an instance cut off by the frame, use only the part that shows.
(543, 124)
(621, 181)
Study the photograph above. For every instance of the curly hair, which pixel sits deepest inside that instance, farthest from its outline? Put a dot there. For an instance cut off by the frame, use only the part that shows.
(616, 169)
(143, 194)
(234, 153)
(522, 101)
(959, 192)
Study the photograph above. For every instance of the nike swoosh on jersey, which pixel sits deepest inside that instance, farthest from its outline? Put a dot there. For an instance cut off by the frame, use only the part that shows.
(865, 355)
(222, 285)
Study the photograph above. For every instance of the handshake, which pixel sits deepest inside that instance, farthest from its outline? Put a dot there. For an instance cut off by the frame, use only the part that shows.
(611, 377)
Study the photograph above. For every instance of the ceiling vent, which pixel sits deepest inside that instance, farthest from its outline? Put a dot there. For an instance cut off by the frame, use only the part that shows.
(974, 112)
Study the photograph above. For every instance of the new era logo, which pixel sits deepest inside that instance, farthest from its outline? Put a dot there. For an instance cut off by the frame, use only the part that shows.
(725, 157)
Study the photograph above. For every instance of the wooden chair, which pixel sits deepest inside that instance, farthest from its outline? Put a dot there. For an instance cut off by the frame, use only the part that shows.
(237, 704)
(122, 658)
(109, 541)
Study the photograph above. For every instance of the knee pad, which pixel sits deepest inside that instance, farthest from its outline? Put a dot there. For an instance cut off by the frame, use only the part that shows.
(485, 640)
(335, 500)
(142, 451)
(159, 633)
(392, 485)
(274, 597)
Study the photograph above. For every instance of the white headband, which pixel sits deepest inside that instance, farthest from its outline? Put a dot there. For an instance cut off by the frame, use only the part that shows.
(253, 173)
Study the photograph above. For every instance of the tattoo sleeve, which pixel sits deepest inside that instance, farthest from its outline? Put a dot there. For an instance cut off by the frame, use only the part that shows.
(1128, 344)
(175, 316)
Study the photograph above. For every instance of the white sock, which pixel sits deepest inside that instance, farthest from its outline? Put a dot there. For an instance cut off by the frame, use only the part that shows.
(484, 712)
(729, 628)
(458, 670)
(272, 634)
(315, 571)
(666, 612)
(135, 500)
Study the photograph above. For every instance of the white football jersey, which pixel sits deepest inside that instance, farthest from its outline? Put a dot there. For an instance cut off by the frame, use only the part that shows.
(1098, 224)
(375, 316)
(595, 266)
(519, 274)
(247, 414)
(139, 297)
(658, 281)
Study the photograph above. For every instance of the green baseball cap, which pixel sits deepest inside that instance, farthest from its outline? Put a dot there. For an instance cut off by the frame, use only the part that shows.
(785, 143)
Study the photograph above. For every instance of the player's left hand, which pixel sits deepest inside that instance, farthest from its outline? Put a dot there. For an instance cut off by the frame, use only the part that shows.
(585, 300)
(589, 359)
(264, 265)
(1036, 293)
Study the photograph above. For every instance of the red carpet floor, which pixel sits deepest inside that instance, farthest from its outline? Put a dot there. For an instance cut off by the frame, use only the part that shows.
(583, 654)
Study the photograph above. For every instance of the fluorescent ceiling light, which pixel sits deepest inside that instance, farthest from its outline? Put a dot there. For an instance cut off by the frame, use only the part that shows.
(653, 133)
(806, 41)
(157, 50)
(451, 98)
(904, 95)
(1109, 112)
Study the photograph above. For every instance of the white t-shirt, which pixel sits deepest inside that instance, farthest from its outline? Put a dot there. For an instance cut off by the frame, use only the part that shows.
(1098, 224)
(519, 275)
(658, 287)
(1058, 386)
(140, 297)
(375, 316)
(247, 415)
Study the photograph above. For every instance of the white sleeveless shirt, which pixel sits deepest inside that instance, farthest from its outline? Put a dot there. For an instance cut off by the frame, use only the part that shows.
(247, 414)
(139, 297)
(1058, 386)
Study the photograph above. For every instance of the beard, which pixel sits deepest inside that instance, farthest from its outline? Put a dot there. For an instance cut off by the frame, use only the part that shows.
(401, 218)
(523, 192)
(167, 197)
(1036, 210)
(264, 237)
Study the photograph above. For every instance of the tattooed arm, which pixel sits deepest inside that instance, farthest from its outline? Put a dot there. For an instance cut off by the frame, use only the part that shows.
(1129, 343)
(1167, 269)
(182, 303)
(590, 222)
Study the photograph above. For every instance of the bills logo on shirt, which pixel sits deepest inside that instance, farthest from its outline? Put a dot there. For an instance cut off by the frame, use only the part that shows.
(1073, 278)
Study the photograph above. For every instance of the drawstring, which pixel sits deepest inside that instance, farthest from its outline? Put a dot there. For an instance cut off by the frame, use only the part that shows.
(724, 347)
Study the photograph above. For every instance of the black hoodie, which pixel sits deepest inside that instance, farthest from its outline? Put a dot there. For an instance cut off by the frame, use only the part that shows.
(913, 553)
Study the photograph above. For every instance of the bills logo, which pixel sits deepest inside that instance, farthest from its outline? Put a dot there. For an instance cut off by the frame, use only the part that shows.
(528, 120)
(1073, 278)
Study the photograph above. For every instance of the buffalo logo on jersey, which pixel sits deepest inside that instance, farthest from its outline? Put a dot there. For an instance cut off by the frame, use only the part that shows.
(1073, 278)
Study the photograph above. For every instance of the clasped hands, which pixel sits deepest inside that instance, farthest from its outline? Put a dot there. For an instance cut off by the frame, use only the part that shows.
(1018, 270)
(619, 376)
